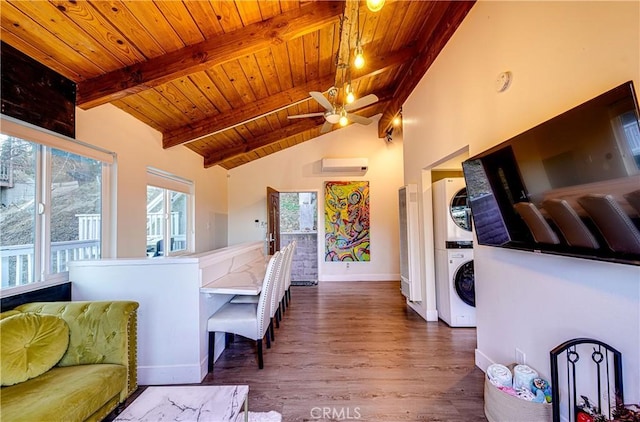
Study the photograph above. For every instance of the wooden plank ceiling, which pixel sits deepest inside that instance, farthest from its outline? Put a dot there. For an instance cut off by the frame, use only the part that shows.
(221, 77)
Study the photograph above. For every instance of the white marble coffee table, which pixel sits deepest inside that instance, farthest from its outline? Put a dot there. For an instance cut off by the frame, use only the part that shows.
(210, 403)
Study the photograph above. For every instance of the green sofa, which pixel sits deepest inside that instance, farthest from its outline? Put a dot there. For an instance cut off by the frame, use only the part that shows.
(67, 361)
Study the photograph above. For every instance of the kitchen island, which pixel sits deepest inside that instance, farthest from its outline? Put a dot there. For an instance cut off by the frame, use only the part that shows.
(177, 295)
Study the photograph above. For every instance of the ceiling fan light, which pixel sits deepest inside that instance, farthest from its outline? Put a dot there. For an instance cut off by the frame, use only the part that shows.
(397, 120)
(343, 118)
(358, 62)
(375, 5)
(332, 118)
(350, 97)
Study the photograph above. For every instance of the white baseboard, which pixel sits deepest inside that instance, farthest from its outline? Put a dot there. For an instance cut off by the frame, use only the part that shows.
(417, 307)
(483, 361)
(362, 277)
(180, 374)
(427, 315)
(432, 315)
(175, 374)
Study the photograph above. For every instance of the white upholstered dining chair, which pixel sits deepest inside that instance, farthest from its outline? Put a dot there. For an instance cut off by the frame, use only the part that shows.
(613, 223)
(276, 300)
(286, 277)
(287, 273)
(538, 226)
(250, 320)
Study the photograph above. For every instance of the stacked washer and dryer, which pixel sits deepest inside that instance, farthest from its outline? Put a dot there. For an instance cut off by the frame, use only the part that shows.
(455, 288)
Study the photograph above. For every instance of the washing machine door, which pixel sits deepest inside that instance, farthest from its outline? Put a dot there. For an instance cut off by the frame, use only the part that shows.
(464, 283)
(460, 211)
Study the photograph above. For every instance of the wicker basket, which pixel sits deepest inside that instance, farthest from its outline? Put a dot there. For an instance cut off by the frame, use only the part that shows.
(501, 407)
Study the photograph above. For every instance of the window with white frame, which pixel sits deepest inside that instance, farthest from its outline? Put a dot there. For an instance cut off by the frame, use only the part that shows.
(52, 203)
(169, 214)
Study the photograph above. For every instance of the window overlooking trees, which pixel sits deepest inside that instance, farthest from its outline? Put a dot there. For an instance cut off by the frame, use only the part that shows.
(299, 223)
(76, 204)
(18, 210)
(51, 210)
(298, 212)
(168, 214)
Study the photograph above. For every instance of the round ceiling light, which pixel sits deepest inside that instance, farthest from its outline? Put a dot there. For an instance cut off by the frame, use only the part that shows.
(375, 5)
(332, 117)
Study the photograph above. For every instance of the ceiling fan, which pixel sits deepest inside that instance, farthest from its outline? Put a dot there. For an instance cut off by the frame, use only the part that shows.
(333, 113)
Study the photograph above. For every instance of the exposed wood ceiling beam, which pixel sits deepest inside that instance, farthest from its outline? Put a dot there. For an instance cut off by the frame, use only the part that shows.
(260, 142)
(276, 136)
(224, 121)
(382, 63)
(435, 41)
(216, 50)
(187, 133)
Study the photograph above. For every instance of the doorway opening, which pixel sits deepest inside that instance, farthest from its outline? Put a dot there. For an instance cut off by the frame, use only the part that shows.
(449, 166)
(299, 222)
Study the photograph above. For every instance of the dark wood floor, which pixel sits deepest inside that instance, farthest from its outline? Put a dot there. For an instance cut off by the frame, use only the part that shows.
(355, 351)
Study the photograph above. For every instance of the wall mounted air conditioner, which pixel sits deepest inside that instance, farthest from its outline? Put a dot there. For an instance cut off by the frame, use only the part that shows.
(345, 165)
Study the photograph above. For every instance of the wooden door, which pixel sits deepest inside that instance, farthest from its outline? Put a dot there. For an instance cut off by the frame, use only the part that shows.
(273, 220)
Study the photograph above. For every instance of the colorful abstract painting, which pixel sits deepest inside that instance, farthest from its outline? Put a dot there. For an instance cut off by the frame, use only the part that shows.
(346, 224)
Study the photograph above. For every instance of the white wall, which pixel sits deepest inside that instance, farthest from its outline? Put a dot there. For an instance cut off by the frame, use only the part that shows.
(561, 54)
(298, 169)
(138, 146)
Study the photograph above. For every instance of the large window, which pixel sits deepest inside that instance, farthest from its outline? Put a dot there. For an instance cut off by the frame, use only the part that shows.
(52, 204)
(169, 218)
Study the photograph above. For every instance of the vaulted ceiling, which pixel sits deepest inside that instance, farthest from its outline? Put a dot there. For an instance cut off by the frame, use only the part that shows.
(222, 77)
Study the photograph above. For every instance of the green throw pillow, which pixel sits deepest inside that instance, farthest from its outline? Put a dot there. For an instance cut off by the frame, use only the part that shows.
(31, 344)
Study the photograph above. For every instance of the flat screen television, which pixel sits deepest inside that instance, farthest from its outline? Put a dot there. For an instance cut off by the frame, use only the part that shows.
(569, 186)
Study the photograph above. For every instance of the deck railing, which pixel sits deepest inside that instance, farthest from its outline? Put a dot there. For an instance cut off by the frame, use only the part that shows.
(89, 226)
(155, 224)
(17, 262)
